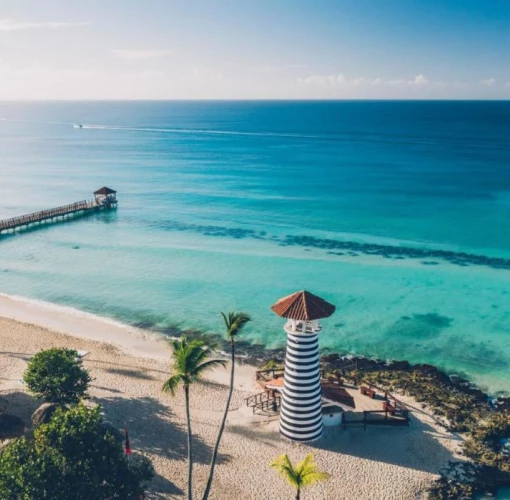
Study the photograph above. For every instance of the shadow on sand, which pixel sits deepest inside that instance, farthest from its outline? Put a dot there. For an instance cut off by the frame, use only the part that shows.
(151, 430)
(22, 405)
(162, 488)
(415, 447)
(130, 373)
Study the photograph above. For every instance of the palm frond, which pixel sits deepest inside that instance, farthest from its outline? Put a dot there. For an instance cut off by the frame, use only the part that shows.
(304, 474)
(190, 362)
(207, 365)
(305, 464)
(172, 383)
(235, 322)
(284, 467)
(314, 477)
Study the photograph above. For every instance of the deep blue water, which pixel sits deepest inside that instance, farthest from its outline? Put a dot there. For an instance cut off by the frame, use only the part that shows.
(397, 212)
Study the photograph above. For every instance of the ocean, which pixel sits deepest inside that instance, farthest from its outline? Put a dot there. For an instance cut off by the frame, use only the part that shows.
(396, 212)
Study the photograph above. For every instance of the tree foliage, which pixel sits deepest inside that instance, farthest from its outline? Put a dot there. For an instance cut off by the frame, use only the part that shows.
(304, 474)
(234, 323)
(57, 375)
(191, 361)
(72, 456)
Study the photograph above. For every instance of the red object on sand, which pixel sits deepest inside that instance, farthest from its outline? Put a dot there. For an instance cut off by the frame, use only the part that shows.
(128, 446)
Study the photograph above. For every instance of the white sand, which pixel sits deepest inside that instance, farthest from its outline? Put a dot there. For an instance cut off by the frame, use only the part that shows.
(379, 463)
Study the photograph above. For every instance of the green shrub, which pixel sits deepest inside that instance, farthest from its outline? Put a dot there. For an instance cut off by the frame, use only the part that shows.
(57, 375)
(72, 456)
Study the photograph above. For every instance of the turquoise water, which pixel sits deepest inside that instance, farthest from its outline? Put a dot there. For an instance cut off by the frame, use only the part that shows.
(397, 212)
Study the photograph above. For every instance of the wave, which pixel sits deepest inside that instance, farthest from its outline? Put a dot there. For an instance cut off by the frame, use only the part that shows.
(188, 131)
(348, 136)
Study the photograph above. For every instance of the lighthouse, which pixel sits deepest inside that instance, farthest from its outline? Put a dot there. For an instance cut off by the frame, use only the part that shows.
(301, 406)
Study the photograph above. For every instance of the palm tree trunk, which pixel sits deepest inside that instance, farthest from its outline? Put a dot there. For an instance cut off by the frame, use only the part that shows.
(190, 457)
(298, 494)
(223, 422)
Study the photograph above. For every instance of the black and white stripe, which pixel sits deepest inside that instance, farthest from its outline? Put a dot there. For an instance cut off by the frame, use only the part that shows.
(301, 408)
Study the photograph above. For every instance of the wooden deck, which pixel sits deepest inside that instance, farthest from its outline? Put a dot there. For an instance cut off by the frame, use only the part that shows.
(358, 409)
(45, 216)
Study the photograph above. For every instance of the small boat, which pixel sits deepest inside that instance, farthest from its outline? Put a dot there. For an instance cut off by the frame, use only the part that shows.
(78, 125)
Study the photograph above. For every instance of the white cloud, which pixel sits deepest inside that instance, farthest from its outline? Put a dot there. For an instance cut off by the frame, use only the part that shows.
(396, 82)
(419, 80)
(322, 80)
(339, 79)
(137, 55)
(360, 81)
(206, 75)
(489, 82)
(9, 24)
(82, 82)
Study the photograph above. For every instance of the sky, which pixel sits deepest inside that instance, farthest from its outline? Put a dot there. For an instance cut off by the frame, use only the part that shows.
(254, 49)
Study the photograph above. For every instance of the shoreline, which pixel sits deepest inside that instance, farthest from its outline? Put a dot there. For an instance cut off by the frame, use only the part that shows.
(81, 324)
(142, 341)
(129, 365)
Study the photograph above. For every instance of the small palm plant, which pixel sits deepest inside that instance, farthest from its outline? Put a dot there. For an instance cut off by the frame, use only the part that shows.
(304, 474)
(190, 363)
(234, 323)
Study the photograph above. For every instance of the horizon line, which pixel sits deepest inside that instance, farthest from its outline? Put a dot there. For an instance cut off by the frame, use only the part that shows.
(260, 100)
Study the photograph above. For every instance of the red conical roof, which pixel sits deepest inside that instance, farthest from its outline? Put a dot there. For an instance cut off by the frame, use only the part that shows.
(105, 190)
(303, 306)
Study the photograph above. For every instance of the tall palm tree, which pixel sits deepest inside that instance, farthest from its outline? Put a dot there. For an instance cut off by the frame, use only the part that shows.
(190, 363)
(304, 474)
(234, 323)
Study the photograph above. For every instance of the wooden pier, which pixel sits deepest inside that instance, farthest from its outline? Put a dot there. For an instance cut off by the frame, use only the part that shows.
(104, 199)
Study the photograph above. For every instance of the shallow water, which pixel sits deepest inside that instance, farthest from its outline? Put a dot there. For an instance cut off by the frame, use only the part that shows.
(397, 212)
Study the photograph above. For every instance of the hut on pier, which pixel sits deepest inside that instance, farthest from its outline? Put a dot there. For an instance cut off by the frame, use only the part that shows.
(106, 197)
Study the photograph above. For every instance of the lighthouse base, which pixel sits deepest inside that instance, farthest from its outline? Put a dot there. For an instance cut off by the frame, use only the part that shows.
(300, 439)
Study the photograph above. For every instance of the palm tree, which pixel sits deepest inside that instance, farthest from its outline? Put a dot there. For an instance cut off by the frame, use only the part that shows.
(190, 363)
(234, 323)
(304, 474)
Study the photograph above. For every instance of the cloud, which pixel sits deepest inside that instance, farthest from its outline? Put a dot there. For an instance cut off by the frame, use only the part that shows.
(9, 24)
(138, 55)
(396, 82)
(322, 80)
(206, 75)
(339, 79)
(360, 81)
(419, 80)
(489, 82)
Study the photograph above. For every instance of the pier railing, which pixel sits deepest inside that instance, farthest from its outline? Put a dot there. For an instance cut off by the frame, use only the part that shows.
(24, 220)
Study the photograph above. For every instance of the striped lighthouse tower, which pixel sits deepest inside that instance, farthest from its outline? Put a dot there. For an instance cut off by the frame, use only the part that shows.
(301, 406)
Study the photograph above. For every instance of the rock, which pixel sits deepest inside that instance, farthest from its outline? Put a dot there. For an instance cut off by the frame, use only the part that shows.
(43, 414)
(328, 358)
(11, 427)
(400, 365)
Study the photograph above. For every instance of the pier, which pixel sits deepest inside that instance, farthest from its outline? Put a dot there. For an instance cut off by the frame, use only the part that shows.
(104, 199)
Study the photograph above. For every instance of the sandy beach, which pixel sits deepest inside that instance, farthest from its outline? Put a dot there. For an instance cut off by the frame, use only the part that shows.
(128, 368)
